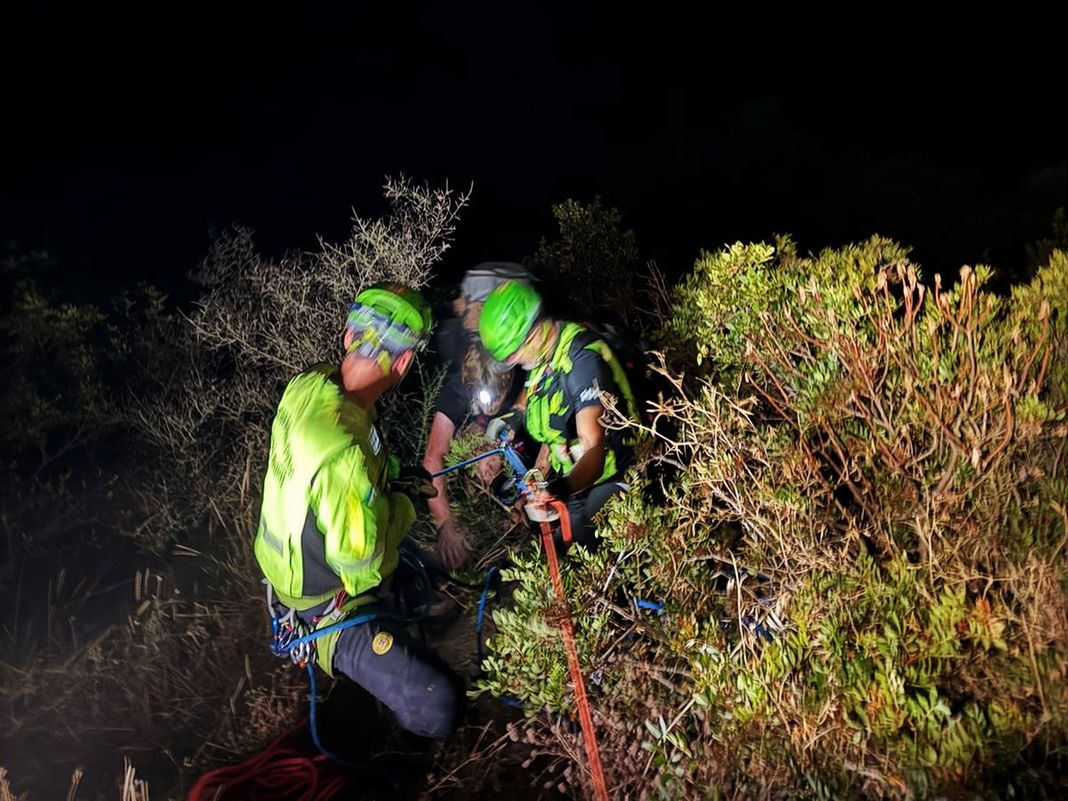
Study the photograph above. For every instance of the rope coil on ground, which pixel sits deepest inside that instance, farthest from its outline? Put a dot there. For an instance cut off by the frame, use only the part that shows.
(281, 771)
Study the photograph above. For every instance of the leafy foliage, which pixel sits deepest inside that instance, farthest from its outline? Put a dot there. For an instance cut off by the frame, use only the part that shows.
(592, 256)
(188, 666)
(66, 363)
(258, 322)
(862, 565)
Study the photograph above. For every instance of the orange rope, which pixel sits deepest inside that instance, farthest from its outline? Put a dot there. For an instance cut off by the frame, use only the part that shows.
(589, 735)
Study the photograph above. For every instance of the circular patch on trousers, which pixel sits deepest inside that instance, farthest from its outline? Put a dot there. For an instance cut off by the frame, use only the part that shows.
(382, 642)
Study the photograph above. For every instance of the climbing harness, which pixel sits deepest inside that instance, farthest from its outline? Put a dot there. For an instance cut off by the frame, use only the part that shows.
(283, 767)
(293, 638)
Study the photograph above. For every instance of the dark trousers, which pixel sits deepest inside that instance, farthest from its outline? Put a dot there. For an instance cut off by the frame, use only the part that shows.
(582, 508)
(421, 693)
(418, 689)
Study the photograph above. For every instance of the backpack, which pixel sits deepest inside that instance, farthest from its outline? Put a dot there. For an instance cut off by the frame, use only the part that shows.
(635, 355)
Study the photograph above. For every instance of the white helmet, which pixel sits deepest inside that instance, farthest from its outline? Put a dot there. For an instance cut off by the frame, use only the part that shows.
(483, 278)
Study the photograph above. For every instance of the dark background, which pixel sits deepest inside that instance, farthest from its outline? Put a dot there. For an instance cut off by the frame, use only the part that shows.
(133, 135)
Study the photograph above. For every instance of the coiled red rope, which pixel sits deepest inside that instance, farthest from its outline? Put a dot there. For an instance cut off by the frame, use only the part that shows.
(285, 771)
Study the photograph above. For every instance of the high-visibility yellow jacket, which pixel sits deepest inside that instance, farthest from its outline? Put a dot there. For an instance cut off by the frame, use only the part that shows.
(571, 378)
(328, 519)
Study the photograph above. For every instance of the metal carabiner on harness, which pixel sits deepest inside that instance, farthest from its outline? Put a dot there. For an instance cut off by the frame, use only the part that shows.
(287, 632)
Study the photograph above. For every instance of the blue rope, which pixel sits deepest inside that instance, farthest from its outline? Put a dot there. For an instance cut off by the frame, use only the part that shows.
(313, 725)
(515, 462)
(757, 628)
(453, 467)
(283, 648)
(652, 606)
(288, 646)
(482, 612)
(510, 454)
(507, 700)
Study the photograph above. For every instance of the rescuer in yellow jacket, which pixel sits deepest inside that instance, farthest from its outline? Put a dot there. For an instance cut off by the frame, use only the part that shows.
(331, 521)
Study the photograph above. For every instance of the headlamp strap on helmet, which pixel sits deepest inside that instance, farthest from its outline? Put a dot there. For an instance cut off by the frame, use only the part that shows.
(376, 334)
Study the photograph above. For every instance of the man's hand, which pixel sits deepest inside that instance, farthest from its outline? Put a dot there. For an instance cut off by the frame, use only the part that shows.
(504, 427)
(454, 546)
(415, 482)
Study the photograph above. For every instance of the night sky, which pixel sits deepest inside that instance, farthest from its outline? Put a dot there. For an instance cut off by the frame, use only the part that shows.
(132, 135)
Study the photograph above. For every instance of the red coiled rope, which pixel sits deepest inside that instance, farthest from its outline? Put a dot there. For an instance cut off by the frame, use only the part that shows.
(282, 772)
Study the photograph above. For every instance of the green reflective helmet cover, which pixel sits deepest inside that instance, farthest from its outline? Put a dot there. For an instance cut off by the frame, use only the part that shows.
(389, 317)
(508, 315)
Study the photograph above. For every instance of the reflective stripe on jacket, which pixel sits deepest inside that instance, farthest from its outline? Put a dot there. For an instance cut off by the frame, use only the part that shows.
(550, 412)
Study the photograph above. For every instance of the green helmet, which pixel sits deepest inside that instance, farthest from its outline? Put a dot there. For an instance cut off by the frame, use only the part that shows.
(389, 317)
(507, 317)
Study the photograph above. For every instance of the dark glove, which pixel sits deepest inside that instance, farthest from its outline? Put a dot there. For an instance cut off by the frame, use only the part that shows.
(505, 428)
(415, 481)
(559, 488)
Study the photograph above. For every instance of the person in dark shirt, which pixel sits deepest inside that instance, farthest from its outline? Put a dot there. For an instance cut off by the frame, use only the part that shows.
(476, 387)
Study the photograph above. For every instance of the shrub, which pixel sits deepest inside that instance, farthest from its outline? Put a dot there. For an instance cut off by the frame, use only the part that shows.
(66, 363)
(862, 564)
(188, 670)
(259, 321)
(591, 256)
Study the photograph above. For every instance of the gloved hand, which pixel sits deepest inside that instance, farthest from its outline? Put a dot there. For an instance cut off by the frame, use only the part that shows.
(415, 481)
(505, 427)
(454, 546)
(559, 488)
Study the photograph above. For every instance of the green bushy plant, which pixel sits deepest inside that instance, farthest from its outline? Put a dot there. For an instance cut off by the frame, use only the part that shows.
(188, 665)
(258, 322)
(66, 363)
(862, 562)
(592, 256)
